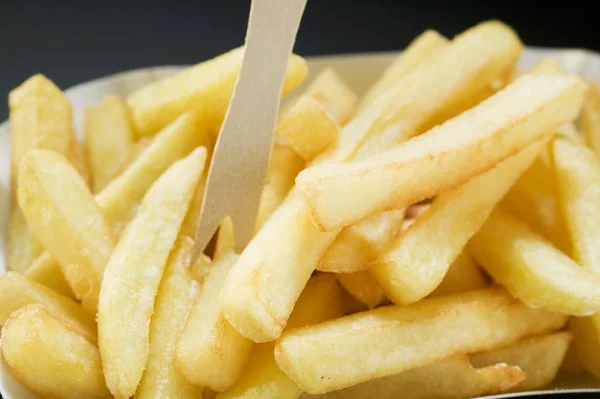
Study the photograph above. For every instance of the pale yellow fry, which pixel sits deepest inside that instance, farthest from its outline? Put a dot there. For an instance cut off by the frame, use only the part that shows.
(307, 128)
(578, 181)
(121, 198)
(61, 210)
(274, 268)
(362, 286)
(532, 269)
(539, 357)
(463, 275)
(22, 247)
(50, 358)
(359, 243)
(192, 218)
(586, 341)
(134, 272)
(334, 94)
(283, 168)
(465, 146)
(109, 139)
(590, 116)
(202, 268)
(321, 300)
(138, 148)
(534, 199)
(47, 272)
(415, 262)
(225, 239)
(210, 352)
(207, 87)
(78, 157)
(40, 118)
(452, 378)
(174, 300)
(17, 291)
(393, 339)
(424, 46)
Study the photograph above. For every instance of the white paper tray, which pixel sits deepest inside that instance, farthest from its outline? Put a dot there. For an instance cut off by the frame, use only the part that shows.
(359, 70)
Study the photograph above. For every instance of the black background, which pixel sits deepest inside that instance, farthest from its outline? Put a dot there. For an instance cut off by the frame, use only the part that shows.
(72, 42)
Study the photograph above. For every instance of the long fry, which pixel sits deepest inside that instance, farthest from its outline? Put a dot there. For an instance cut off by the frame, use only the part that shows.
(134, 272)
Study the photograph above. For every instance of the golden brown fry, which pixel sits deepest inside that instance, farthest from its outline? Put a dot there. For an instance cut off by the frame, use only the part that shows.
(61, 210)
(207, 87)
(590, 116)
(539, 357)
(424, 46)
(51, 358)
(415, 262)
(321, 300)
(452, 378)
(362, 286)
(133, 274)
(341, 353)
(463, 275)
(274, 268)
(47, 272)
(336, 97)
(532, 269)
(22, 247)
(359, 243)
(174, 300)
(17, 291)
(109, 138)
(463, 147)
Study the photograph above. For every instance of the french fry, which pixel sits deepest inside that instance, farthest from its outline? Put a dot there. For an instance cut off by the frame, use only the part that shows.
(307, 128)
(61, 211)
(321, 300)
(424, 46)
(78, 158)
(334, 94)
(207, 86)
(359, 243)
(22, 247)
(211, 352)
(590, 116)
(452, 378)
(539, 357)
(578, 181)
(51, 358)
(415, 262)
(17, 291)
(109, 139)
(463, 147)
(46, 271)
(202, 268)
(532, 269)
(274, 268)
(174, 300)
(362, 286)
(463, 275)
(351, 304)
(133, 274)
(192, 218)
(283, 168)
(340, 353)
(225, 239)
(586, 338)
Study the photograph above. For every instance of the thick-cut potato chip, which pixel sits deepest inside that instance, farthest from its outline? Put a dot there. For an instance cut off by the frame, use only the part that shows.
(134, 272)
(51, 358)
(539, 357)
(210, 352)
(22, 247)
(452, 378)
(532, 269)
(17, 291)
(415, 262)
(321, 300)
(61, 211)
(109, 139)
(362, 286)
(334, 94)
(463, 275)
(174, 300)
(590, 116)
(206, 87)
(392, 339)
(463, 147)
(46, 271)
(275, 266)
(424, 46)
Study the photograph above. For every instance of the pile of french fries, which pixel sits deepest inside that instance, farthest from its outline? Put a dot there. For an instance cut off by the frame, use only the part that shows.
(436, 238)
